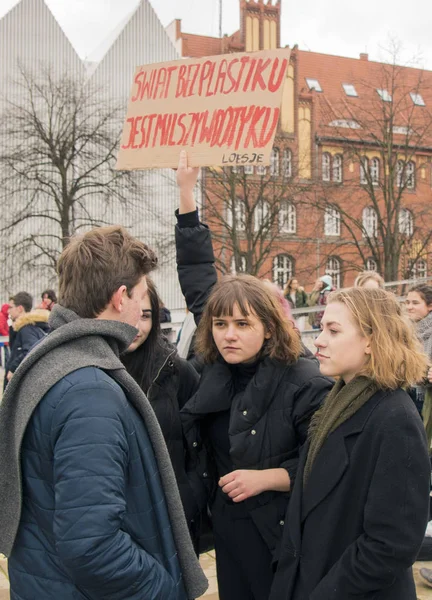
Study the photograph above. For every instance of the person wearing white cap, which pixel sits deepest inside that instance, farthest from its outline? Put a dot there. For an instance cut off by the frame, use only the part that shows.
(318, 297)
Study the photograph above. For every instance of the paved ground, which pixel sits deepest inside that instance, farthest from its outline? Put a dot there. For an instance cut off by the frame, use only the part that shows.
(208, 563)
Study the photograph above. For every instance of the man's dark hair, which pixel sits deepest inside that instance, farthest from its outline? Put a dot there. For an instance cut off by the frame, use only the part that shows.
(51, 295)
(93, 266)
(23, 299)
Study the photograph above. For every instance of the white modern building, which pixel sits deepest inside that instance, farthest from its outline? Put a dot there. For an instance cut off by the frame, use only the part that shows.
(31, 36)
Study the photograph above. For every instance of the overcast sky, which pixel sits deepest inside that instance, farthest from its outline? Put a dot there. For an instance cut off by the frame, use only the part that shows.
(334, 27)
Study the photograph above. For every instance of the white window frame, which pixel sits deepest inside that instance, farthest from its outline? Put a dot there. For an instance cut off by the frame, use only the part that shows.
(248, 169)
(384, 95)
(417, 99)
(261, 212)
(242, 264)
(369, 222)
(274, 163)
(287, 163)
(332, 221)
(410, 175)
(350, 90)
(333, 268)
(374, 170)
(287, 217)
(240, 215)
(313, 84)
(406, 222)
(283, 269)
(337, 168)
(364, 169)
(371, 265)
(326, 166)
(261, 170)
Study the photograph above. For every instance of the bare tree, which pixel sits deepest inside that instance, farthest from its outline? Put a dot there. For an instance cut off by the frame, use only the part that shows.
(374, 187)
(58, 141)
(252, 214)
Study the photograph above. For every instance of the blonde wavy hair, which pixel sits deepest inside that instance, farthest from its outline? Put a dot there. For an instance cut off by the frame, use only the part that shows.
(250, 295)
(366, 276)
(396, 358)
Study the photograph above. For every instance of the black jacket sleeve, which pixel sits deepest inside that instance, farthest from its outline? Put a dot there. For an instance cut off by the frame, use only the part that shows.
(188, 381)
(195, 261)
(24, 341)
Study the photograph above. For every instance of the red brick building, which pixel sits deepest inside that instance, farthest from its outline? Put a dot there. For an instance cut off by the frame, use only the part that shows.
(351, 169)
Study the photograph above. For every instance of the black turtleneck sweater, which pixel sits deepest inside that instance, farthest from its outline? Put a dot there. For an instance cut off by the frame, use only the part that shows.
(218, 423)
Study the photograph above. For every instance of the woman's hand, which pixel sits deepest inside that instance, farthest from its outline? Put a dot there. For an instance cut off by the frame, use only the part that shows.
(429, 375)
(243, 484)
(186, 180)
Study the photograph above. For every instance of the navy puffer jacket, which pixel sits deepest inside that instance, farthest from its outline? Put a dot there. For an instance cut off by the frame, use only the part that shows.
(93, 510)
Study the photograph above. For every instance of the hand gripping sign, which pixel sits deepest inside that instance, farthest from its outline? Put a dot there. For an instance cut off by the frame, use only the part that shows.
(224, 110)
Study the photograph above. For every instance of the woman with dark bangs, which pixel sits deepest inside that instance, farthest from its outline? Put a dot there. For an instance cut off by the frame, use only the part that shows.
(251, 411)
(168, 381)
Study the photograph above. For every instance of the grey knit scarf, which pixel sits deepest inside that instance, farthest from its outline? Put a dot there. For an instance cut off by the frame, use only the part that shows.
(341, 403)
(73, 344)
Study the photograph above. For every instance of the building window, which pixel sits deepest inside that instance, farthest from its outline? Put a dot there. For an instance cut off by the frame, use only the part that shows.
(248, 169)
(333, 268)
(261, 170)
(371, 265)
(239, 210)
(417, 268)
(384, 95)
(326, 166)
(417, 99)
(349, 90)
(274, 162)
(406, 222)
(287, 163)
(313, 84)
(242, 265)
(261, 213)
(331, 221)
(283, 269)
(345, 124)
(405, 174)
(234, 169)
(364, 168)
(370, 222)
(287, 218)
(337, 168)
(374, 171)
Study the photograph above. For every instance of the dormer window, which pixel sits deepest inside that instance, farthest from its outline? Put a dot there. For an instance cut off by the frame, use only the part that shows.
(384, 95)
(313, 84)
(350, 90)
(417, 99)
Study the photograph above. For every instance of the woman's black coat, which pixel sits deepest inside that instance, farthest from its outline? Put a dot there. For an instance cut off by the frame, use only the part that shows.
(268, 424)
(355, 530)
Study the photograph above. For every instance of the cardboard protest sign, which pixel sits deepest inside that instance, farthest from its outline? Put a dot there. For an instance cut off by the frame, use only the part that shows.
(224, 110)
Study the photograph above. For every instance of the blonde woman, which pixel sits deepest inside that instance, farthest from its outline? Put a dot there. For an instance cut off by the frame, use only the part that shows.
(369, 280)
(359, 509)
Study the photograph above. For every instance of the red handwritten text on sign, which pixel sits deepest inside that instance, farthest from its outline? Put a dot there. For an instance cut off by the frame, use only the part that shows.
(209, 106)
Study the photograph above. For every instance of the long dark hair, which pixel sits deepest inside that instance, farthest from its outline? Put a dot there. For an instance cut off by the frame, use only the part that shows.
(141, 363)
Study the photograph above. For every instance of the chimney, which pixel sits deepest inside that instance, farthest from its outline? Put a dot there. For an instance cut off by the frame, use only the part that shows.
(364, 56)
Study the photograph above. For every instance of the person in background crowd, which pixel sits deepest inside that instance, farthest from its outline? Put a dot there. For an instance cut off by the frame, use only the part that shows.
(245, 424)
(4, 330)
(359, 508)
(295, 294)
(168, 382)
(318, 297)
(90, 504)
(369, 280)
(49, 299)
(29, 327)
(419, 309)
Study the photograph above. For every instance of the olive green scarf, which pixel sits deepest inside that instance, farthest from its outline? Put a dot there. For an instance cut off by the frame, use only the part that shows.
(341, 404)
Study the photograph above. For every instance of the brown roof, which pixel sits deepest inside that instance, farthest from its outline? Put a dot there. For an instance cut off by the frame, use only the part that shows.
(367, 109)
(197, 46)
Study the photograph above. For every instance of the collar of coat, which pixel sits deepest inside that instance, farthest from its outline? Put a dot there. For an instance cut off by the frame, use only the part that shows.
(73, 344)
(38, 315)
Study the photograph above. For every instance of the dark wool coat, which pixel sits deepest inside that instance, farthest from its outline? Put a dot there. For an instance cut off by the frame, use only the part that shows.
(268, 424)
(355, 530)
